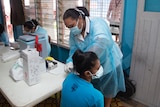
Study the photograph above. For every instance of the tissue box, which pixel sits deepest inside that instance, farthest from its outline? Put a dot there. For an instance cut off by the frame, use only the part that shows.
(31, 66)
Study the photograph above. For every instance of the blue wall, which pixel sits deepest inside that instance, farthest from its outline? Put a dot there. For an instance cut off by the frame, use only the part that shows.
(59, 53)
(152, 5)
(129, 21)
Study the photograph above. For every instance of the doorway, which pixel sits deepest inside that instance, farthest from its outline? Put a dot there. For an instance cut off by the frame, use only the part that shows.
(146, 58)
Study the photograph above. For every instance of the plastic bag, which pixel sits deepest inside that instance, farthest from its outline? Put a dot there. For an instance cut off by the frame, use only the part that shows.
(16, 72)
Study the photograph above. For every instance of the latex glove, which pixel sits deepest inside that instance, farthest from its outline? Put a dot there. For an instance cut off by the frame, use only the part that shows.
(68, 67)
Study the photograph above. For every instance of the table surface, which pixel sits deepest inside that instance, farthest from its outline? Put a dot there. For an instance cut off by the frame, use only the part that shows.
(19, 94)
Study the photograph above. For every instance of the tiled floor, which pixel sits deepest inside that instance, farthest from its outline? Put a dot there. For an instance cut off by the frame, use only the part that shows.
(130, 103)
(51, 102)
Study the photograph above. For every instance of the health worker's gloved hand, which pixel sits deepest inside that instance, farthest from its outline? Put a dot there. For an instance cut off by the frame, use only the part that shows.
(68, 67)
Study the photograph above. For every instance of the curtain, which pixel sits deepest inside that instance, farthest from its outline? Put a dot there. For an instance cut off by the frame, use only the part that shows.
(1, 13)
(17, 12)
(17, 17)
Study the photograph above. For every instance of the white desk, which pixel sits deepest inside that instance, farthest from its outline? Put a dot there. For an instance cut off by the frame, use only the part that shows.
(19, 94)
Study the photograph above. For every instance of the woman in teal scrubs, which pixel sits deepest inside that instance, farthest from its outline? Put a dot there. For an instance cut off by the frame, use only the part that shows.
(33, 27)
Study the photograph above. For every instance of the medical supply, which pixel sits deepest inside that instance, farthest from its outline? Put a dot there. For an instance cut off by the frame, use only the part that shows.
(33, 66)
(9, 55)
(49, 58)
(51, 63)
(29, 40)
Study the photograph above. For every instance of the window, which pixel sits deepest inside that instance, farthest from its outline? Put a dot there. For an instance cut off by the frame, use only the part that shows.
(49, 13)
(110, 10)
(97, 8)
(63, 32)
(26, 2)
(48, 10)
(45, 13)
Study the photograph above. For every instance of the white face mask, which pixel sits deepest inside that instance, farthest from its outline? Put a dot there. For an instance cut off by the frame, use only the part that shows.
(98, 74)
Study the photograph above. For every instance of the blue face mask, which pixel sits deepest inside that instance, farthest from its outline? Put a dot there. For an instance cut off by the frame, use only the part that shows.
(75, 30)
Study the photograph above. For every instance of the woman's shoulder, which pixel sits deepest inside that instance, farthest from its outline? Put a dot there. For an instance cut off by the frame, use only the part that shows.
(97, 19)
(70, 75)
(40, 30)
(98, 22)
(99, 25)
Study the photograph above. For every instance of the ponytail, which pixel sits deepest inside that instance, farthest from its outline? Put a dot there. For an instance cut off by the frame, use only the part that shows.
(83, 61)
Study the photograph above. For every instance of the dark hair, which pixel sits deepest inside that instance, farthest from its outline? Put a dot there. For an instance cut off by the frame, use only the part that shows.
(84, 9)
(31, 23)
(1, 28)
(74, 13)
(83, 61)
(71, 13)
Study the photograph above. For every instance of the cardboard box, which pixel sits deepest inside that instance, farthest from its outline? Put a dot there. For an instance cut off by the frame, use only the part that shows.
(31, 66)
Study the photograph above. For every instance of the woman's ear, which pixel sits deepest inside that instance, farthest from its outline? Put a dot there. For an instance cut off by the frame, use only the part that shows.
(88, 76)
(87, 73)
(33, 29)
